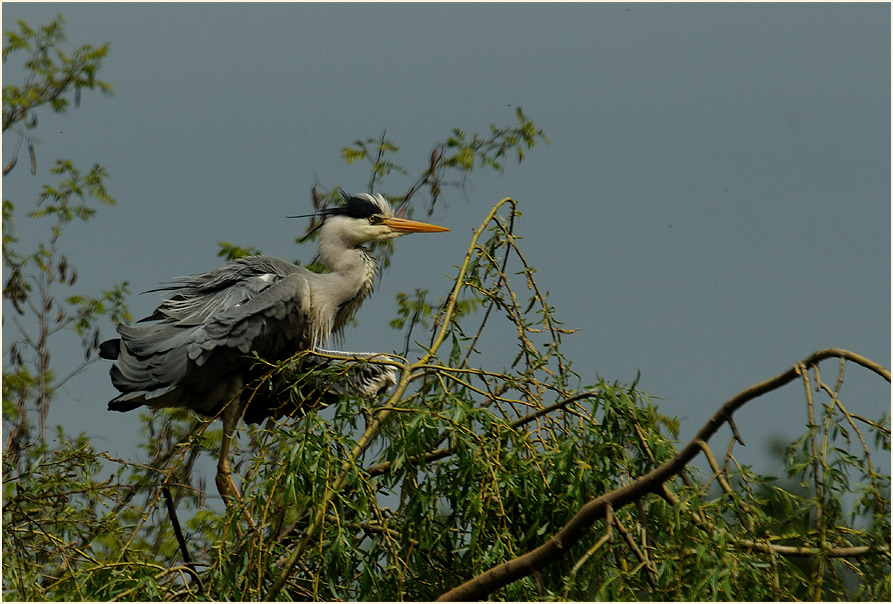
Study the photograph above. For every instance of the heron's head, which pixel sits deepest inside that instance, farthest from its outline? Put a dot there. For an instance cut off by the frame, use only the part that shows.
(364, 218)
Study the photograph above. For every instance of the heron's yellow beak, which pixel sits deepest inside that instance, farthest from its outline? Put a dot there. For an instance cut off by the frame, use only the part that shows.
(403, 225)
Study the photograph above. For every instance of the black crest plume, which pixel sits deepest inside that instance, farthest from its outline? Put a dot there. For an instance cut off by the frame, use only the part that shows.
(353, 206)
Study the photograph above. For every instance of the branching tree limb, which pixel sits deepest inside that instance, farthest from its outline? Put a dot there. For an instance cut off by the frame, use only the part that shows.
(381, 415)
(462, 467)
(555, 548)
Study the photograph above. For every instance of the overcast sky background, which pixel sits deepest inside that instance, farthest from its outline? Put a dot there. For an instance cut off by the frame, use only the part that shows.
(714, 206)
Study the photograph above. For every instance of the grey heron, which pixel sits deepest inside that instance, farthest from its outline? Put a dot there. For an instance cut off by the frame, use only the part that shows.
(194, 350)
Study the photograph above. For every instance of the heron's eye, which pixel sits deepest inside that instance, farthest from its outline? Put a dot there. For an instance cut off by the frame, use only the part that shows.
(374, 219)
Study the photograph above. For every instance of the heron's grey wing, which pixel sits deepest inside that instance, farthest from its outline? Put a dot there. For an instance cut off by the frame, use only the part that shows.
(205, 329)
(197, 297)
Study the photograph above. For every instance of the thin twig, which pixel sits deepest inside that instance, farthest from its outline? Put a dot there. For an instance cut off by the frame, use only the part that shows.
(384, 467)
(735, 432)
(380, 416)
(651, 573)
(653, 482)
(181, 541)
(608, 536)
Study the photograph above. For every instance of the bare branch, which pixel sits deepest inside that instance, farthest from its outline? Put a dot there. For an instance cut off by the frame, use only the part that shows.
(555, 548)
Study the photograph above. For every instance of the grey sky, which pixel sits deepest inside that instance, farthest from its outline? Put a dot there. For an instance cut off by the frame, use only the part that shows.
(714, 207)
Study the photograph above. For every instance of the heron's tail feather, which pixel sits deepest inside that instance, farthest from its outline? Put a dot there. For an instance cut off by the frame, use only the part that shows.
(110, 349)
(122, 406)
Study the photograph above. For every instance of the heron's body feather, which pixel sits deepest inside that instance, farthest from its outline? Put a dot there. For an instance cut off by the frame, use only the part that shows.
(195, 349)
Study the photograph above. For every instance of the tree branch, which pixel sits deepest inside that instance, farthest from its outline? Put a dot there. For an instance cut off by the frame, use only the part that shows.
(381, 414)
(181, 541)
(799, 550)
(385, 466)
(555, 548)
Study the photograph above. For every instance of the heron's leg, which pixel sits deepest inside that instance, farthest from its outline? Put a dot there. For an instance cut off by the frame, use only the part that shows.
(231, 415)
(224, 479)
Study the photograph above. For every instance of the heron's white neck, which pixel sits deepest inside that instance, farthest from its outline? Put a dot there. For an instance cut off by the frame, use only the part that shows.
(339, 248)
(338, 294)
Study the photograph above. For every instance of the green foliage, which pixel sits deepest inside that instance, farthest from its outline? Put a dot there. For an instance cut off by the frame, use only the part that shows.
(231, 251)
(34, 280)
(456, 157)
(491, 152)
(52, 73)
(413, 309)
(374, 151)
(461, 468)
(466, 467)
(57, 514)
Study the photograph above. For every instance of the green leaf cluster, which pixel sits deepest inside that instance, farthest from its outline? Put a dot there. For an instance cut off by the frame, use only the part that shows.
(52, 73)
(465, 465)
(463, 152)
(472, 467)
(230, 251)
